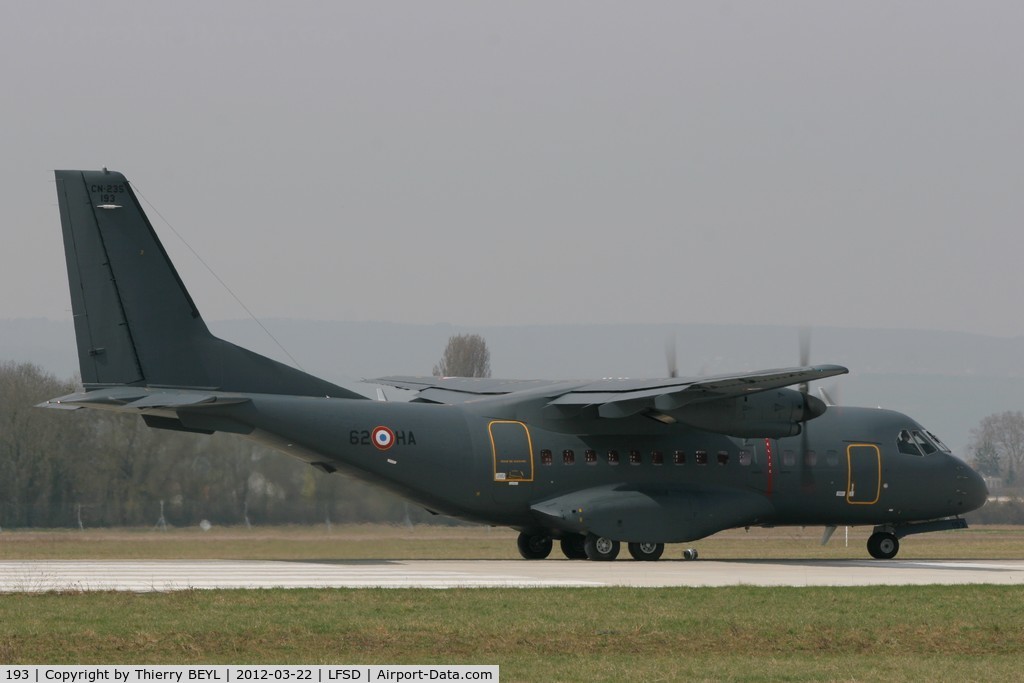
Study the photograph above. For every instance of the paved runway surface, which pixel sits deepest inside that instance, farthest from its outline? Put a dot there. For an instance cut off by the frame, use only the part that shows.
(166, 575)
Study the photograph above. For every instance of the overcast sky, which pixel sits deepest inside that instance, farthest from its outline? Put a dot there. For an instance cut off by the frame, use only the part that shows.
(851, 164)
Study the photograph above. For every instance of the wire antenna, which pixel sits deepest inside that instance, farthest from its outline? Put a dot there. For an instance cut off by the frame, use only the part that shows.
(217, 277)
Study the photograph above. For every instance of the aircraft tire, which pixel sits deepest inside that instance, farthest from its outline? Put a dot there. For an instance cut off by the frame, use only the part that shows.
(573, 547)
(601, 549)
(534, 546)
(883, 546)
(646, 552)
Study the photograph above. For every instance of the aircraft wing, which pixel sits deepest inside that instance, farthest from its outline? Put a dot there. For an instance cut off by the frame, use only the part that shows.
(622, 398)
(615, 398)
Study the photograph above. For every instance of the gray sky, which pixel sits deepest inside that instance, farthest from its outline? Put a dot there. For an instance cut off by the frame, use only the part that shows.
(851, 164)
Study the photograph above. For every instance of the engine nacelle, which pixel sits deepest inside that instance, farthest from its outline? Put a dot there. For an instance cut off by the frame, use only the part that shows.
(766, 414)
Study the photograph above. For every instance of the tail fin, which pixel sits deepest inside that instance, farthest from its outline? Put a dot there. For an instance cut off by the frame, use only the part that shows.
(134, 320)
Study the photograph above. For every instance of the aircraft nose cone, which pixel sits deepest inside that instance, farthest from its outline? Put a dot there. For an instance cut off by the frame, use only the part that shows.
(973, 488)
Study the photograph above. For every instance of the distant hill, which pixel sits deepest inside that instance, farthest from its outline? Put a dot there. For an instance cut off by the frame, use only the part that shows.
(946, 380)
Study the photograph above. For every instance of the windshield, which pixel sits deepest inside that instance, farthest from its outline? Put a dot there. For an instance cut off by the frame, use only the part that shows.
(916, 442)
(942, 447)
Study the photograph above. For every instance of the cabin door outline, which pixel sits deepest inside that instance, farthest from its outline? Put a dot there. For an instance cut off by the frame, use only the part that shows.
(863, 473)
(512, 452)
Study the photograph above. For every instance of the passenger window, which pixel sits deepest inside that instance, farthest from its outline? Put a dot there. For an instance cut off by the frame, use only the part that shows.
(788, 458)
(568, 457)
(745, 458)
(810, 459)
(635, 458)
(657, 458)
(723, 457)
(613, 457)
(545, 457)
(832, 458)
(679, 457)
(701, 457)
(590, 456)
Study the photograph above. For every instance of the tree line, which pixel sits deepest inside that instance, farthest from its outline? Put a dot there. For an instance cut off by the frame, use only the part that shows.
(90, 468)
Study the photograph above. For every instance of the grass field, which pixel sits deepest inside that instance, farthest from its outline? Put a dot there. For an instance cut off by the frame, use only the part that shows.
(609, 634)
(432, 542)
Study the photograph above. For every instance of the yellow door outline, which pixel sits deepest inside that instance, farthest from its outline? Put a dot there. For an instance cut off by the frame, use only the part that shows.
(509, 474)
(849, 473)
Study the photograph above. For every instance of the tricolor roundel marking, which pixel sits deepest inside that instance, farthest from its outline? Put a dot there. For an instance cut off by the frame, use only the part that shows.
(383, 438)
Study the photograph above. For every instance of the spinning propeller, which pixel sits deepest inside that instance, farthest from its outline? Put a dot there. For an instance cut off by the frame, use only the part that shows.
(670, 356)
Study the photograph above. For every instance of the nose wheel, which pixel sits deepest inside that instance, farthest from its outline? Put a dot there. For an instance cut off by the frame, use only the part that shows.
(883, 545)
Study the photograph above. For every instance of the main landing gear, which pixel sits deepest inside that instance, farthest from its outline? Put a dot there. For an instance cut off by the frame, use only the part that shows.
(537, 546)
(601, 549)
(534, 546)
(573, 546)
(646, 552)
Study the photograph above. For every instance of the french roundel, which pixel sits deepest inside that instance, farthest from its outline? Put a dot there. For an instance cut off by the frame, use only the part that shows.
(383, 438)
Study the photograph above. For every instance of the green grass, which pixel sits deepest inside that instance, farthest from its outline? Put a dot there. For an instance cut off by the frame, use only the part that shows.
(741, 633)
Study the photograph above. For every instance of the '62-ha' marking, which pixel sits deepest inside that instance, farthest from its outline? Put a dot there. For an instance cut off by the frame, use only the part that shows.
(381, 437)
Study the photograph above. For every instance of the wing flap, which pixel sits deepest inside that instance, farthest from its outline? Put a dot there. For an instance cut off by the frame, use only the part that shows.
(478, 386)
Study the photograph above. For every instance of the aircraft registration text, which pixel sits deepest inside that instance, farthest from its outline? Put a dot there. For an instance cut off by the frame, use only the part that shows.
(382, 438)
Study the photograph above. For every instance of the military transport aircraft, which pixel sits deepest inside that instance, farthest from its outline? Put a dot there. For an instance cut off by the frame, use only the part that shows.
(591, 464)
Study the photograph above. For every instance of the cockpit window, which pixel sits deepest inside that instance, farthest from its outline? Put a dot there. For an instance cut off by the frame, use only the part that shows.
(926, 446)
(942, 447)
(906, 443)
(916, 442)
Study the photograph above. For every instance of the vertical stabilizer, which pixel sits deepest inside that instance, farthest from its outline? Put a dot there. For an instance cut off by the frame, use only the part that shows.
(134, 320)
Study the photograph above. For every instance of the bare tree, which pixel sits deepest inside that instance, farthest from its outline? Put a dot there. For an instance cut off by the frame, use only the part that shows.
(998, 443)
(465, 356)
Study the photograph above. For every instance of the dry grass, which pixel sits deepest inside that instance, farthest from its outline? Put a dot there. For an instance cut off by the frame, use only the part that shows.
(432, 542)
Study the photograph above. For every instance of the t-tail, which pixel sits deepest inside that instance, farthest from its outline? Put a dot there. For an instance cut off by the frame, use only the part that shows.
(135, 322)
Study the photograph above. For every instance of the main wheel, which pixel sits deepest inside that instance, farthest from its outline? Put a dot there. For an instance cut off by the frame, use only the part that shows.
(600, 548)
(572, 547)
(646, 551)
(534, 546)
(883, 545)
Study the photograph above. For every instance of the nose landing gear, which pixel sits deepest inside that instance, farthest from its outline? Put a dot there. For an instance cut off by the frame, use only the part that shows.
(883, 545)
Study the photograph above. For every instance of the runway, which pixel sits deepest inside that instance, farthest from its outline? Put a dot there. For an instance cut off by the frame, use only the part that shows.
(21, 576)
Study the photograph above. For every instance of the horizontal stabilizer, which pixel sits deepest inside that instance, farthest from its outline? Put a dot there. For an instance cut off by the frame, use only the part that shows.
(127, 399)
